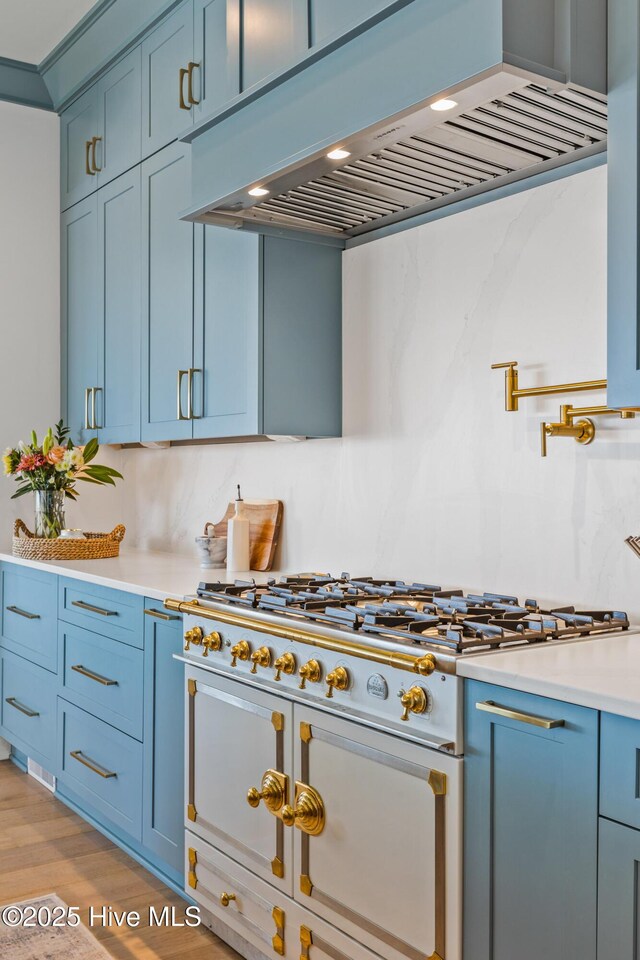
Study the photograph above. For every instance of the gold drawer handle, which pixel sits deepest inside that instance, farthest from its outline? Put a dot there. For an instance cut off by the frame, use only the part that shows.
(92, 765)
(92, 609)
(161, 615)
(24, 613)
(490, 707)
(18, 706)
(87, 163)
(183, 73)
(191, 66)
(308, 814)
(94, 165)
(180, 415)
(226, 898)
(274, 791)
(94, 676)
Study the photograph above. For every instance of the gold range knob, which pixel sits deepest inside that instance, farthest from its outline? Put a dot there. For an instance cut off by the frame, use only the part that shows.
(413, 700)
(193, 636)
(338, 679)
(240, 651)
(308, 814)
(274, 791)
(226, 898)
(260, 658)
(311, 672)
(213, 641)
(286, 663)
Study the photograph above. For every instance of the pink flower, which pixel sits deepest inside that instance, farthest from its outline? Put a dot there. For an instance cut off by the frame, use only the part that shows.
(56, 454)
(30, 462)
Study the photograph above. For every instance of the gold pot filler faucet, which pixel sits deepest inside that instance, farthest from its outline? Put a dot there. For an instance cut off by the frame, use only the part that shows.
(574, 422)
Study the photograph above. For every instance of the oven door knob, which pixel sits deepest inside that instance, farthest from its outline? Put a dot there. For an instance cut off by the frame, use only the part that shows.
(240, 651)
(260, 658)
(213, 641)
(308, 814)
(275, 786)
(285, 664)
(413, 700)
(193, 636)
(311, 672)
(338, 679)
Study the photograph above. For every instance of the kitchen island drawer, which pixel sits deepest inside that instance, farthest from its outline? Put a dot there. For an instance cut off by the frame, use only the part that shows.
(29, 614)
(620, 769)
(102, 766)
(28, 709)
(112, 613)
(104, 677)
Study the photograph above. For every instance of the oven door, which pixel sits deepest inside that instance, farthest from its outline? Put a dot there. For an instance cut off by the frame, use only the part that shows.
(378, 833)
(237, 748)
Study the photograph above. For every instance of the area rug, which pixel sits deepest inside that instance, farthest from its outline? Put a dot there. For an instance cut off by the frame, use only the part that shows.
(42, 941)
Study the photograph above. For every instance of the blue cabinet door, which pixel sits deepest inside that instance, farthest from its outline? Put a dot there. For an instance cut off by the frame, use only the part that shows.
(80, 303)
(216, 53)
(163, 813)
(120, 123)
(227, 334)
(332, 18)
(530, 827)
(618, 900)
(166, 54)
(167, 296)
(274, 34)
(119, 275)
(78, 125)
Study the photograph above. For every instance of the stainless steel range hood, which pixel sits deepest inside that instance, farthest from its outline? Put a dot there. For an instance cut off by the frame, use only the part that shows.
(508, 121)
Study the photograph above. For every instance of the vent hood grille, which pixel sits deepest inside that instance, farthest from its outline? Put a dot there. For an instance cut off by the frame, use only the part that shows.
(522, 130)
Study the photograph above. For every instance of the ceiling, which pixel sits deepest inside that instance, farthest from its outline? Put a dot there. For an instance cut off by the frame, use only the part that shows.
(30, 29)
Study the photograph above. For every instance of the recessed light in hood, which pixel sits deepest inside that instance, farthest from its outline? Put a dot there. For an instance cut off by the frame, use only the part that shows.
(338, 154)
(442, 105)
(258, 192)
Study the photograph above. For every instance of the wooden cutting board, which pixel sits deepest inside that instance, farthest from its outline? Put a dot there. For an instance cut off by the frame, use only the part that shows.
(265, 520)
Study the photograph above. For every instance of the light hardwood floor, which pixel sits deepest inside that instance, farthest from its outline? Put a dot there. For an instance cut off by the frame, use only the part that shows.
(46, 848)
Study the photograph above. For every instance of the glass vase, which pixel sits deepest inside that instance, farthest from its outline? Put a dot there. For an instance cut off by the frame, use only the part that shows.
(50, 518)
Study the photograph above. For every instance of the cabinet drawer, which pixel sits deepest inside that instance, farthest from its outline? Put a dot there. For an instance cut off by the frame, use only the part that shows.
(253, 908)
(102, 766)
(620, 769)
(112, 613)
(29, 708)
(29, 614)
(103, 677)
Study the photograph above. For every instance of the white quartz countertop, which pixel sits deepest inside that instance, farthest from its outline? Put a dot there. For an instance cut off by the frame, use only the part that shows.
(603, 673)
(154, 575)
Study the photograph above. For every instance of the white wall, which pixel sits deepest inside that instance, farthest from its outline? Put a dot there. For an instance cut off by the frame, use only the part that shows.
(30, 303)
(433, 480)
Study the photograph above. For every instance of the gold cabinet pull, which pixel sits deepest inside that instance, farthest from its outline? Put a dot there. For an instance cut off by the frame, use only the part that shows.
(87, 395)
(308, 814)
(161, 615)
(183, 73)
(94, 676)
(488, 706)
(226, 898)
(94, 423)
(90, 607)
(275, 786)
(87, 163)
(18, 706)
(190, 414)
(191, 66)
(92, 765)
(94, 165)
(181, 375)
(24, 613)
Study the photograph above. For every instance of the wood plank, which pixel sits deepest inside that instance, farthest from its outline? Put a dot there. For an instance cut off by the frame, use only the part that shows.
(265, 520)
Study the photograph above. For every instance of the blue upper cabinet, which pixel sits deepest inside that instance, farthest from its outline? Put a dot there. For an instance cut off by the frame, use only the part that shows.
(530, 827)
(78, 126)
(80, 316)
(167, 304)
(216, 54)
(274, 34)
(330, 18)
(170, 77)
(117, 403)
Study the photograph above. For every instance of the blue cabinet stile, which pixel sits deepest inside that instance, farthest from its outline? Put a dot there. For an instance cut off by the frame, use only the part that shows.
(166, 54)
(217, 53)
(530, 828)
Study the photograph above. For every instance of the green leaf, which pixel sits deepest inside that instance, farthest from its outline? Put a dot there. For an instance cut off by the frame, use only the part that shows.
(34, 439)
(21, 492)
(91, 450)
(90, 480)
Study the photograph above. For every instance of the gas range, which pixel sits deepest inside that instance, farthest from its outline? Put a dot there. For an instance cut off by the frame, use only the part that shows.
(356, 645)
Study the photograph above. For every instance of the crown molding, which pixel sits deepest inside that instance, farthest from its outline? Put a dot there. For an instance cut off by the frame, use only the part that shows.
(21, 83)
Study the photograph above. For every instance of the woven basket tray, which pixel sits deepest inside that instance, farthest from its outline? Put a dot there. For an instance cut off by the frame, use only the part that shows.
(96, 546)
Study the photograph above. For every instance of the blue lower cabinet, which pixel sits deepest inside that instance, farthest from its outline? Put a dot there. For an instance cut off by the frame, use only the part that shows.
(103, 677)
(531, 827)
(30, 614)
(112, 613)
(101, 766)
(163, 812)
(620, 769)
(618, 900)
(28, 709)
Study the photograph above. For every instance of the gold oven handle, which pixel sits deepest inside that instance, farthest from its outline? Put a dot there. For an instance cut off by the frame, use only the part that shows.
(490, 707)
(308, 814)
